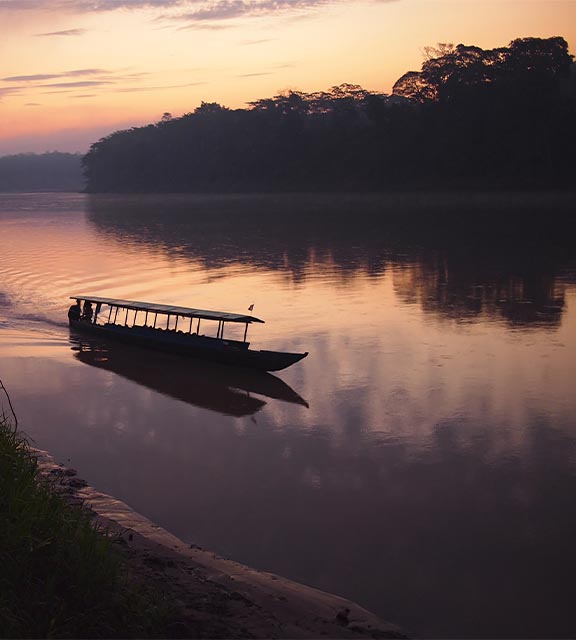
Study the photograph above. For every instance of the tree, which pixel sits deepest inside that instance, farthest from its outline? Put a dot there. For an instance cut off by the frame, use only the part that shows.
(542, 56)
(456, 70)
(207, 108)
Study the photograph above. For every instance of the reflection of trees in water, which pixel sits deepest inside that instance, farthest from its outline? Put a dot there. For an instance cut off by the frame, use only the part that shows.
(464, 291)
(457, 255)
(284, 233)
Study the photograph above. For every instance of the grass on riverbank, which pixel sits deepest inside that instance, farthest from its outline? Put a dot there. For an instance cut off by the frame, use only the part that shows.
(60, 577)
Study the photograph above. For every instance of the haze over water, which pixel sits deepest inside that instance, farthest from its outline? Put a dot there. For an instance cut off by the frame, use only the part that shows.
(421, 461)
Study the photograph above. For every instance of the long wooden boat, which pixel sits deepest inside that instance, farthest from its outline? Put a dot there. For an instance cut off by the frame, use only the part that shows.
(177, 330)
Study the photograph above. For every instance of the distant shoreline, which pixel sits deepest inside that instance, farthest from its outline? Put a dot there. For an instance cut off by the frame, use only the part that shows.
(568, 189)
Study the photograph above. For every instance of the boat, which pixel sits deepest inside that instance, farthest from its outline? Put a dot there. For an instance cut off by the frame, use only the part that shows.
(174, 329)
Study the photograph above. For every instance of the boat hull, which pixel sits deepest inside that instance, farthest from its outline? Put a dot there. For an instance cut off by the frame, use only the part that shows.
(227, 352)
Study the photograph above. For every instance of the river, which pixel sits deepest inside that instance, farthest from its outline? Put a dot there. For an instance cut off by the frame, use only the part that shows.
(420, 461)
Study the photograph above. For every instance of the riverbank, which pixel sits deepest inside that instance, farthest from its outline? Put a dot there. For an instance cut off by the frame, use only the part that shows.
(184, 591)
(215, 597)
(61, 576)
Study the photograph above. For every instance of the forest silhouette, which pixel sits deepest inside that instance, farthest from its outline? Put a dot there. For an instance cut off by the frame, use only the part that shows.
(470, 117)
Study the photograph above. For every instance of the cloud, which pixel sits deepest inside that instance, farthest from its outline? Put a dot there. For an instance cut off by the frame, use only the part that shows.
(106, 81)
(67, 32)
(112, 5)
(89, 6)
(185, 10)
(76, 85)
(253, 75)
(206, 26)
(39, 77)
(220, 14)
(262, 41)
(210, 15)
(159, 88)
(217, 10)
(9, 91)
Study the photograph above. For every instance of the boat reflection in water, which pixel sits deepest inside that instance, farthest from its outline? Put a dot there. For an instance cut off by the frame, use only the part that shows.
(207, 385)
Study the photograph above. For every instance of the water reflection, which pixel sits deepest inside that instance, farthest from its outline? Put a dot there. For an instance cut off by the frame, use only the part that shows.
(459, 289)
(458, 256)
(206, 385)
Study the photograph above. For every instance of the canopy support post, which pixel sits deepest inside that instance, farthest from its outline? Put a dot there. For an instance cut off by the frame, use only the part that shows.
(245, 332)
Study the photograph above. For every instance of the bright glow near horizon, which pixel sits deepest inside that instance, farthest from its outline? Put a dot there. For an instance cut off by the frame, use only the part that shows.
(76, 70)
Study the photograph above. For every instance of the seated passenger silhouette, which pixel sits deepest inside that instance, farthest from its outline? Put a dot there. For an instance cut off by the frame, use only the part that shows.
(87, 312)
(75, 311)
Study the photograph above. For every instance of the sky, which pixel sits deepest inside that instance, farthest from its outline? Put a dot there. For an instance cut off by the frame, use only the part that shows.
(72, 71)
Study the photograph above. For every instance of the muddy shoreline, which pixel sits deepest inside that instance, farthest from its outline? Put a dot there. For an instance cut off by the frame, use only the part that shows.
(216, 597)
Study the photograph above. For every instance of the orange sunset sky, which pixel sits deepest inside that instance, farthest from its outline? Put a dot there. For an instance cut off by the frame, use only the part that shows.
(72, 71)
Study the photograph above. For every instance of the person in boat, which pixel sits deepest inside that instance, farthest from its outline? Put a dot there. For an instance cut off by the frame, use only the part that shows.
(87, 311)
(75, 311)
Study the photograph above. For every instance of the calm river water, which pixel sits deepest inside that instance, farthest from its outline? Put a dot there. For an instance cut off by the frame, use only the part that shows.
(421, 460)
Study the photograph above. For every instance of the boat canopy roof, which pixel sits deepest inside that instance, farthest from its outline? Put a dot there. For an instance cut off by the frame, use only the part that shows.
(171, 310)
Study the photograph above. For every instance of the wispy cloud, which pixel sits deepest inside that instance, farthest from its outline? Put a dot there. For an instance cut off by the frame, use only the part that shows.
(220, 14)
(187, 10)
(9, 91)
(66, 32)
(70, 81)
(253, 42)
(210, 15)
(88, 6)
(200, 26)
(39, 77)
(76, 85)
(254, 75)
(158, 88)
(217, 10)
(107, 88)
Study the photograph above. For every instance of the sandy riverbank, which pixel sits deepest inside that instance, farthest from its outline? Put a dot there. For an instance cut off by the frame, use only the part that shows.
(216, 597)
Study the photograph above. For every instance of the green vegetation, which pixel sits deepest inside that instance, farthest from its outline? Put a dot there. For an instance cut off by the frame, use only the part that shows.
(60, 577)
(471, 117)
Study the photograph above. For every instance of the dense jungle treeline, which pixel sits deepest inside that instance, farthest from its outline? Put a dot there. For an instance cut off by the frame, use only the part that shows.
(470, 117)
(52, 171)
